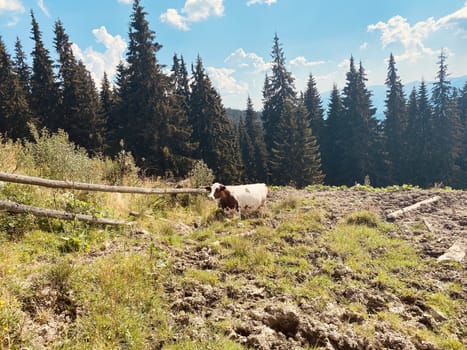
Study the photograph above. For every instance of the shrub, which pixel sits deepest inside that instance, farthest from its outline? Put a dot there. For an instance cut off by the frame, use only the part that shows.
(55, 156)
(122, 170)
(201, 174)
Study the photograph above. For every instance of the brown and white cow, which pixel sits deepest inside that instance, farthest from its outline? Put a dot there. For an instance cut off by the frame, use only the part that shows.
(241, 198)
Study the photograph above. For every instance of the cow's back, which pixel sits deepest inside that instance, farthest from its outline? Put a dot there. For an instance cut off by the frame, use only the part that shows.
(249, 197)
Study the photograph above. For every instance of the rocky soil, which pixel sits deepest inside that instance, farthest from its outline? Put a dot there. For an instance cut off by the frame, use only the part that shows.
(259, 317)
(263, 319)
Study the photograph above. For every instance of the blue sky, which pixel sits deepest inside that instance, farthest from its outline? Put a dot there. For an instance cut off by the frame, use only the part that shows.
(235, 37)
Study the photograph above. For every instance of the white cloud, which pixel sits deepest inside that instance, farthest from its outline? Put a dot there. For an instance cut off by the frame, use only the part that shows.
(126, 2)
(364, 46)
(247, 60)
(11, 6)
(261, 2)
(193, 11)
(172, 17)
(398, 30)
(301, 61)
(41, 5)
(224, 81)
(344, 63)
(100, 62)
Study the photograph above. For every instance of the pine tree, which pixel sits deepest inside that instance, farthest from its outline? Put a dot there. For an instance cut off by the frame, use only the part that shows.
(296, 159)
(45, 96)
(22, 69)
(395, 125)
(333, 147)
(413, 137)
(246, 152)
(313, 104)
(212, 129)
(80, 101)
(360, 155)
(143, 105)
(447, 127)
(277, 90)
(178, 148)
(259, 167)
(116, 133)
(463, 156)
(424, 141)
(14, 109)
(106, 109)
(463, 104)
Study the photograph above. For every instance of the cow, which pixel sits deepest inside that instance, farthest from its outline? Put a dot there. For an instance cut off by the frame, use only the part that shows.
(241, 198)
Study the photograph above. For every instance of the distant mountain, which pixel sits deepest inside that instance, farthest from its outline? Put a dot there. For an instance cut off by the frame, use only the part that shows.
(235, 114)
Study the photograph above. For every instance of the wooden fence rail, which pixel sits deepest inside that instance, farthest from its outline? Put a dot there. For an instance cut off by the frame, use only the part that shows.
(14, 207)
(31, 180)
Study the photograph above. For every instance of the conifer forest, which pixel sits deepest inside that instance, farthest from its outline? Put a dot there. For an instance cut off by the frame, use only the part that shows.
(168, 119)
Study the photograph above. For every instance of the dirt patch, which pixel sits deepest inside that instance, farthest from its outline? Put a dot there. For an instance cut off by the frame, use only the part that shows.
(261, 318)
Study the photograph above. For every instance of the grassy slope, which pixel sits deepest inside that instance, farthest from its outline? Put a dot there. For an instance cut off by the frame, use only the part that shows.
(185, 277)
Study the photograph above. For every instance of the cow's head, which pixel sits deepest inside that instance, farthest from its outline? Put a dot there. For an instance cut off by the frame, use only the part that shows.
(215, 190)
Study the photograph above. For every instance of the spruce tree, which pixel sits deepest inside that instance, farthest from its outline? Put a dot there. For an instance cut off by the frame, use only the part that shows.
(333, 147)
(259, 167)
(463, 104)
(45, 96)
(178, 148)
(246, 152)
(296, 159)
(447, 128)
(395, 125)
(463, 156)
(115, 130)
(212, 130)
(14, 108)
(425, 147)
(413, 139)
(106, 109)
(277, 90)
(80, 101)
(143, 105)
(312, 101)
(22, 69)
(360, 155)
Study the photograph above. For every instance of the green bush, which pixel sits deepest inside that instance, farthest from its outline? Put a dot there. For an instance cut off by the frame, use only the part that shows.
(55, 156)
(201, 175)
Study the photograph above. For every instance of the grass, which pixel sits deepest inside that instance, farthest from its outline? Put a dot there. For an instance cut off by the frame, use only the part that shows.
(117, 285)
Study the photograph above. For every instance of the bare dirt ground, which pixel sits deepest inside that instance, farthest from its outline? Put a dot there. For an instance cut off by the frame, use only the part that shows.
(259, 317)
(264, 319)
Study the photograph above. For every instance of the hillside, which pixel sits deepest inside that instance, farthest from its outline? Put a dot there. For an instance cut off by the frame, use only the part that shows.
(316, 268)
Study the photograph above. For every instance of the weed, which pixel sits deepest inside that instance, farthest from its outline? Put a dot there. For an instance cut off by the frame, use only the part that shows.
(202, 276)
(224, 344)
(365, 218)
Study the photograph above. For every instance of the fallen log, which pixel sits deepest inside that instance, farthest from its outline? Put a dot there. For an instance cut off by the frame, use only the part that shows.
(14, 207)
(32, 180)
(403, 211)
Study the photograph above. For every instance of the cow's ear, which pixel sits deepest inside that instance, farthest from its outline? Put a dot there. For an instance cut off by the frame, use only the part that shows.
(208, 188)
(222, 187)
